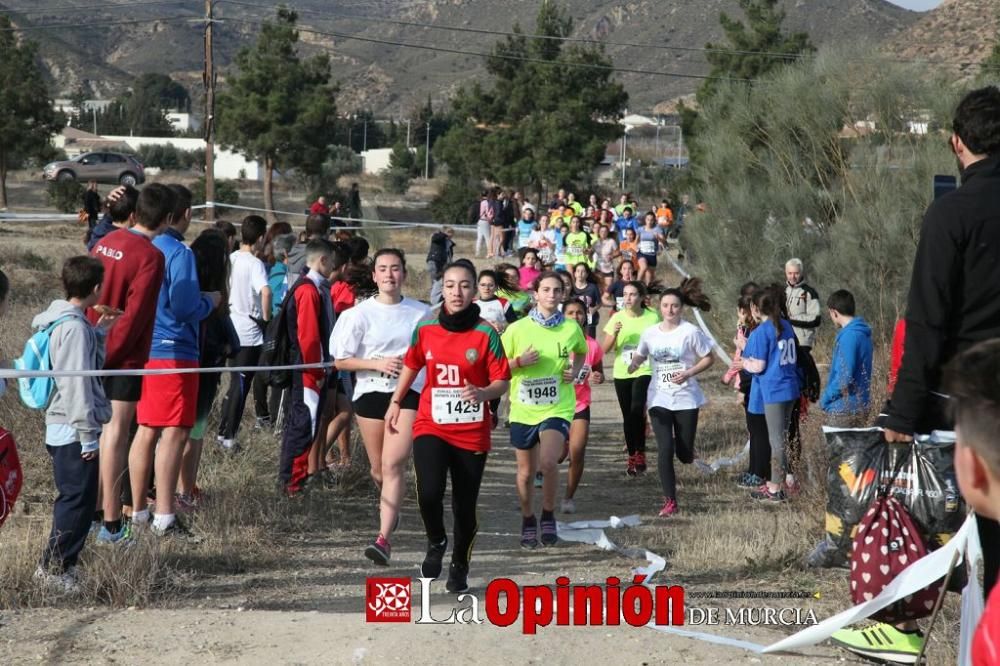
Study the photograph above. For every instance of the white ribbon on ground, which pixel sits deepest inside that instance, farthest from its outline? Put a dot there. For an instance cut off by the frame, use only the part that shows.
(592, 532)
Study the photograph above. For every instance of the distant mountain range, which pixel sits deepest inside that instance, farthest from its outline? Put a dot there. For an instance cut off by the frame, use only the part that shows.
(104, 54)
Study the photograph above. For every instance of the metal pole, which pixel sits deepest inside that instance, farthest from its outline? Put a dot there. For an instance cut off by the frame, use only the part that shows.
(209, 75)
(364, 141)
(680, 144)
(407, 133)
(427, 153)
(93, 112)
(624, 144)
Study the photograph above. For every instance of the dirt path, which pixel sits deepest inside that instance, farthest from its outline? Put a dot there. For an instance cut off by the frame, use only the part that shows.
(307, 607)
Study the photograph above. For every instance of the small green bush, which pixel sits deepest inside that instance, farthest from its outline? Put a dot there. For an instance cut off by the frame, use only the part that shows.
(66, 196)
(226, 192)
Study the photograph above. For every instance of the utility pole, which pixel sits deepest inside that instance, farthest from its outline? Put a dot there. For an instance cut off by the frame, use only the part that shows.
(427, 153)
(364, 138)
(93, 111)
(209, 80)
(624, 145)
(680, 144)
(407, 133)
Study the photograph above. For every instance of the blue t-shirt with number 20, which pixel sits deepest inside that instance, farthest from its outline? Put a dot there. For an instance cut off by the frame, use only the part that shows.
(780, 380)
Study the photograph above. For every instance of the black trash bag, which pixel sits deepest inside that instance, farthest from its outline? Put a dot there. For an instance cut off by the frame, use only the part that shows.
(921, 476)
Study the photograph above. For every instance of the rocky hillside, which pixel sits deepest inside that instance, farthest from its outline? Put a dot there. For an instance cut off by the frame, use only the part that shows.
(959, 32)
(391, 79)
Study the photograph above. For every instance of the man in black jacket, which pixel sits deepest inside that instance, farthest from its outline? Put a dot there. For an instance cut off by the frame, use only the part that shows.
(954, 299)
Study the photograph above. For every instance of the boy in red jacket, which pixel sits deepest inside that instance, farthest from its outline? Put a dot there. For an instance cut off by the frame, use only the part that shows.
(310, 320)
(133, 273)
(973, 381)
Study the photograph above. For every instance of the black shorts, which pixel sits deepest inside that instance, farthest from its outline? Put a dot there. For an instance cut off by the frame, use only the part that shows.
(583, 414)
(374, 405)
(126, 388)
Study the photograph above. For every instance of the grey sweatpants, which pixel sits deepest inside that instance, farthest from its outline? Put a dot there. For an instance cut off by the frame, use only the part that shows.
(777, 415)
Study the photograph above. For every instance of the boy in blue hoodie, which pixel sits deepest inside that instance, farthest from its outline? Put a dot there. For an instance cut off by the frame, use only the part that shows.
(168, 404)
(847, 396)
(74, 418)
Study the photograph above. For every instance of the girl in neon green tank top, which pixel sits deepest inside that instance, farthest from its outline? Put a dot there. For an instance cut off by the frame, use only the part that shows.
(622, 334)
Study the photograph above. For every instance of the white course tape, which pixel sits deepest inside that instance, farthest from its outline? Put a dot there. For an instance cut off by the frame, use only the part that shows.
(915, 577)
(719, 351)
(142, 372)
(592, 532)
(367, 221)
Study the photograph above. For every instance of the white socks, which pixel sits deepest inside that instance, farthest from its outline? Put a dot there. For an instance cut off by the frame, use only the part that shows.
(162, 521)
(140, 517)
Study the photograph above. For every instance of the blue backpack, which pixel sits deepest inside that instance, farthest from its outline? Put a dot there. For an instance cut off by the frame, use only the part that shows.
(37, 391)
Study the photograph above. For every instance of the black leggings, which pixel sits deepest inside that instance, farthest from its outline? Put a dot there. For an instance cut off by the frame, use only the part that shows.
(240, 384)
(760, 446)
(632, 400)
(433, 459)
(674, 431)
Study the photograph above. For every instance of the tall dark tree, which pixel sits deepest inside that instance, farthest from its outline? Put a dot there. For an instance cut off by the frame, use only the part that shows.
(27, 118)
(547, 115)
(277, 108)
(754, 48)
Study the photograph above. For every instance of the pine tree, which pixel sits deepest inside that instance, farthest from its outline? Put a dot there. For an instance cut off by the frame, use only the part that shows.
(544, 120)
(27, 118)
(277, 108)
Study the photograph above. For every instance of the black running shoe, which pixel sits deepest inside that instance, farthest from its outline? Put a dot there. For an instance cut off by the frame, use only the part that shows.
(549, 535)
(458, 578)
(529, 533)
(431, 567)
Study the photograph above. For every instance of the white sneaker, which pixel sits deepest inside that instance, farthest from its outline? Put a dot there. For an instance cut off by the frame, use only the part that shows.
(64, 583)
(568, 506)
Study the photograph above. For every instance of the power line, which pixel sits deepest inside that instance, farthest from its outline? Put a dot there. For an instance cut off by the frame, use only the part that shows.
(582, 40)
(103, 5)
(58, 26)
(479, 54)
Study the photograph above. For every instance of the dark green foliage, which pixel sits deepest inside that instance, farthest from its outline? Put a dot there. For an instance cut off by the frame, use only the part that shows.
(170, 157)
(66, 196)
(756, 40)
(538, 123)
(226, 191)
(277, 108)
(340, 161)
(774, 155)
(27, 119)
(451, 205)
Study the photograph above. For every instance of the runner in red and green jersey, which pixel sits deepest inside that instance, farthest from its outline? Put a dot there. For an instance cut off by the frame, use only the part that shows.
(466, 368)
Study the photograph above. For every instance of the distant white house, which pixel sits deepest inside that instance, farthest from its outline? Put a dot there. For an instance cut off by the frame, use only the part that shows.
(228, 165)
(376, 160)
(183, 122)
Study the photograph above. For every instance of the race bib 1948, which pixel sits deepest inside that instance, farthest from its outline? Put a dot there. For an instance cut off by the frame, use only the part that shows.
(540, 391)
(447, 406)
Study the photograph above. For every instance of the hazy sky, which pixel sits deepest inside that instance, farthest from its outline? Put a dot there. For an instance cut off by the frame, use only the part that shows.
(919, 5)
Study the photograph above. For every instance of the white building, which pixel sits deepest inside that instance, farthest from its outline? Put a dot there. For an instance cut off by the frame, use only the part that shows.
(228, 165)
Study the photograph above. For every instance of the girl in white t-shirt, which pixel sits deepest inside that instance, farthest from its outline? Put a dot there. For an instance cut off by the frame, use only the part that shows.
(370, 340)
(678, 351)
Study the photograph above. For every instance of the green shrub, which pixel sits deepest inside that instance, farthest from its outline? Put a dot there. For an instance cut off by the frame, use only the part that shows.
(774, 156)
(66, 196)
(170, 157)
(226, 192)
(396, 180)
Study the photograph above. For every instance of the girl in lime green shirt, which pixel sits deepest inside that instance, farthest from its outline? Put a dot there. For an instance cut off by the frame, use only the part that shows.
(622, 334)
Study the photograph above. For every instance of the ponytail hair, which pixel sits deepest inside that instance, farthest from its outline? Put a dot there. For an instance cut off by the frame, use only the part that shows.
(770, 301)
(689, 293)
(502, 279)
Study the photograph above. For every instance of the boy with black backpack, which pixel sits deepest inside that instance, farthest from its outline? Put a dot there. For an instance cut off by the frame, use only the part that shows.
(76, 414)
(306, 320)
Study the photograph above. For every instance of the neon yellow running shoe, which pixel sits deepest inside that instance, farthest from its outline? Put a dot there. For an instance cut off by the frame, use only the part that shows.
(881, 641)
